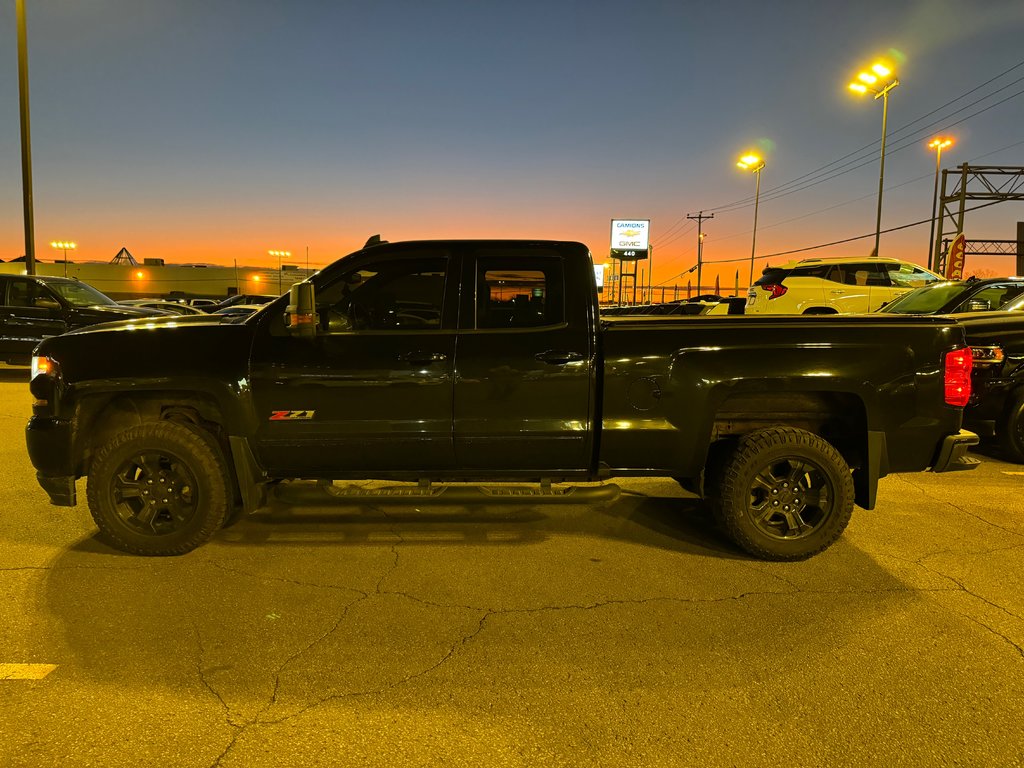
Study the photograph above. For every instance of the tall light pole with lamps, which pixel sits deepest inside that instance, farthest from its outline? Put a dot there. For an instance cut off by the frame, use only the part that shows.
(64, 245)
(280, 255)
(938, 144)
(754, 164)
(879, 81)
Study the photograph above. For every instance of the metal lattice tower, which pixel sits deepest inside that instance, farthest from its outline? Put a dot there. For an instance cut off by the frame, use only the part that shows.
(994, 183)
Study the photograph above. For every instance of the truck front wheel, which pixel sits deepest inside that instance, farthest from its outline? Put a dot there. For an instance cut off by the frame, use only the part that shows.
(784, 494)
(157, 489)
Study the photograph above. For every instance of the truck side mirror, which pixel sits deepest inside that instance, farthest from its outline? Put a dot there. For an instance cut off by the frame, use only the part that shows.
(300, 317)
(978, 305)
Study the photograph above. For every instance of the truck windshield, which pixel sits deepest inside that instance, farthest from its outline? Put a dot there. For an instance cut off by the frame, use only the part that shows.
(925, 300)
(80, 294)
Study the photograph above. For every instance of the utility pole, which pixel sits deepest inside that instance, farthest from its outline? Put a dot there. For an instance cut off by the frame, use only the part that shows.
(699, 218)
(26, 142)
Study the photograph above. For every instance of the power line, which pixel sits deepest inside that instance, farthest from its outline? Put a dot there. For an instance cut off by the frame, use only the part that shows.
(731, 235)
(906, 142)
(746, 201)
(859, 237)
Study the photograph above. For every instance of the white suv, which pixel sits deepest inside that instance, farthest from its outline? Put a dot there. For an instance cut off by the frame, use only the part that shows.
(831, 286)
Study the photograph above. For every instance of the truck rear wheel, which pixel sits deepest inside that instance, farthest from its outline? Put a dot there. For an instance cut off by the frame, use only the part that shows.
(157, 489)
(784, 494)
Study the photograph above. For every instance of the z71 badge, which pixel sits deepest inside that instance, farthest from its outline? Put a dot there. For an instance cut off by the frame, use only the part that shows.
(291, 415)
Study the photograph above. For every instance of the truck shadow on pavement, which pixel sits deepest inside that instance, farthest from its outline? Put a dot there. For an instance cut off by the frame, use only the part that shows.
(675, 524)
(291, 607)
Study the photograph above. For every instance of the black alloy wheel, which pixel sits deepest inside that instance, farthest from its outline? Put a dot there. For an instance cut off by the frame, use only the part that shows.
(790, 498)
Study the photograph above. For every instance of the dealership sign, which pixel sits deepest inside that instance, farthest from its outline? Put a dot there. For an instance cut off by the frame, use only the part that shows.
(630, 238)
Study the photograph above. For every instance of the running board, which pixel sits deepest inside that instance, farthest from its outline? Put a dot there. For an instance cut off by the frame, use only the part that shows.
(325, 491)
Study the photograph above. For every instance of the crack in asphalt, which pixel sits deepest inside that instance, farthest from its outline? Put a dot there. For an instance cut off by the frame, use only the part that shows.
(282, 580)
(957, 507)
(488, 613)
(960, 586)
(228, 717)
(362, 596)
(461, 643)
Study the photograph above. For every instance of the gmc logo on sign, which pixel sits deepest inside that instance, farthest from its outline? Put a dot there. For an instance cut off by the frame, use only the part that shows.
(291, 415)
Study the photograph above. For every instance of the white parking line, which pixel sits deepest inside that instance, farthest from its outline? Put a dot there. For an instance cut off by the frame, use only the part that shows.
(25, 671)
(1012, 473)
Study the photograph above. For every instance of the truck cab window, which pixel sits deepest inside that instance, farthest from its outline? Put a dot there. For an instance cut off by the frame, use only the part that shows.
(402, 294)
(519, 293)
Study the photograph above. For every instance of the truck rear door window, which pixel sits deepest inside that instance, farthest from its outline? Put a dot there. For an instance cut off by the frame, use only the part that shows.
(519, 293)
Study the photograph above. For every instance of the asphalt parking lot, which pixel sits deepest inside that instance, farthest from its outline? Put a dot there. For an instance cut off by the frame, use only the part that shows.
(629, 634)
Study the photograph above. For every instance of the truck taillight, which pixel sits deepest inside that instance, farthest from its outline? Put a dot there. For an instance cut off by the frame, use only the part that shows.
(957, 376)
(774, 290)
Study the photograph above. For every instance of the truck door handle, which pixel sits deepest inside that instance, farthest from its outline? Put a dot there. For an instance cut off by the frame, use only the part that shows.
(558, 357)
(422, 357)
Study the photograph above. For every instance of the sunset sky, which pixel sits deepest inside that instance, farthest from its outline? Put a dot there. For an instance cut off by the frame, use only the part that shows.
(216, 131)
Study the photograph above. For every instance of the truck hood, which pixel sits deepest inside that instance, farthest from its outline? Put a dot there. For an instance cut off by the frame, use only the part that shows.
(149, 319)
(102, 313)
(152, 348)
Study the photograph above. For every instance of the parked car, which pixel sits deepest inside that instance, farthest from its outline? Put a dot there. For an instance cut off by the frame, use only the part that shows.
(35, 307)
(1014, 305)
(204, 304)
(171, 307)
(834, 286)
(243, 298)
(950, 296)
(996, 407)
(700, 305)
(237, 312)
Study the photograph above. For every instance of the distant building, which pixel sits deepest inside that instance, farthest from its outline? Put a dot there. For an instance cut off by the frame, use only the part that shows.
(126, 279)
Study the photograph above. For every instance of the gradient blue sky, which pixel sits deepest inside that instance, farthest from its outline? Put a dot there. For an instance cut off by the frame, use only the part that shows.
(213, 131)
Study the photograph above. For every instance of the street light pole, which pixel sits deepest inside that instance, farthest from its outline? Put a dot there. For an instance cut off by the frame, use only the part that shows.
(280, 268)
(938, 145)
(867, 83)
(26, 140)
(881, 164)
(64, 245)
(752, 162)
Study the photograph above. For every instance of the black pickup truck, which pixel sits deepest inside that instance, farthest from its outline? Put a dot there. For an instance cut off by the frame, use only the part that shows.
(488, 361)
(996, 407)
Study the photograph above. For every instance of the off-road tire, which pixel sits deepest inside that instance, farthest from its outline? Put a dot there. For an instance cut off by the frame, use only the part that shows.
(133, 515)
(1011, 433)
(235, 509)
(783, 494)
